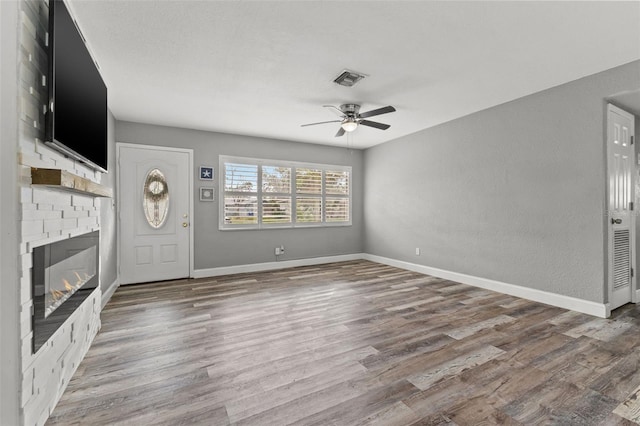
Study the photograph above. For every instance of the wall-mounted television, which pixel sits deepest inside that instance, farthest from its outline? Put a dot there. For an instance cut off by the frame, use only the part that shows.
(76, 118)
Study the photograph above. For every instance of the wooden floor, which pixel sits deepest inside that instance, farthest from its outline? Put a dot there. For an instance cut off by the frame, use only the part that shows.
(348, 344)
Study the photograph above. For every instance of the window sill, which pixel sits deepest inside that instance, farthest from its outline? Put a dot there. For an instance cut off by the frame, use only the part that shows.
(274, 227)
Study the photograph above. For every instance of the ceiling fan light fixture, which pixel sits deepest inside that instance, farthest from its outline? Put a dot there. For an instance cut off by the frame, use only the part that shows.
(349, 125)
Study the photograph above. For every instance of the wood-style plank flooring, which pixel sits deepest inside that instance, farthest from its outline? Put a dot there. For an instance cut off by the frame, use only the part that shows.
(350, 343)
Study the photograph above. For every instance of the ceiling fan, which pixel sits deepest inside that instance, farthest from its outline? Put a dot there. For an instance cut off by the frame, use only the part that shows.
(351, 118)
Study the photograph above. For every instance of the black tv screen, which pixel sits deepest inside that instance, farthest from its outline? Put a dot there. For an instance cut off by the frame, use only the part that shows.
(76, 120)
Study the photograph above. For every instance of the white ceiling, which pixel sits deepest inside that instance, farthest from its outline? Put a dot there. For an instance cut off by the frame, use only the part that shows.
(263, 68)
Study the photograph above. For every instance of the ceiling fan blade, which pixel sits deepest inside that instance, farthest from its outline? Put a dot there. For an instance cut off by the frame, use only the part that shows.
(375, 124)
(340, 132)
(378, 111)
(321, 122)
(335, 109)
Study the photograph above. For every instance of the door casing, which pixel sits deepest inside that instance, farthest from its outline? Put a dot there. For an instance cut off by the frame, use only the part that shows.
(632, 225)
(119, 145)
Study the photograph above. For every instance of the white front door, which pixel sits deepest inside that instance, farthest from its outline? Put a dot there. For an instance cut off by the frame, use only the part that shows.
(620, 162)
(154, 194)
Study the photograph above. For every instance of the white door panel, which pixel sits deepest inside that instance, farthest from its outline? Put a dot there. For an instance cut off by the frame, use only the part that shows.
(154, 251)
(620, 160)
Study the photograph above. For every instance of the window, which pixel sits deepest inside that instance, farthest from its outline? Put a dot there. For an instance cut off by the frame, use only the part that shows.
(262, 194)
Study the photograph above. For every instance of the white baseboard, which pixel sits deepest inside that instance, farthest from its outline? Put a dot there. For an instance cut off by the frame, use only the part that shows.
(585, 306)
(566, 302)
(270, 266)
(106, 294)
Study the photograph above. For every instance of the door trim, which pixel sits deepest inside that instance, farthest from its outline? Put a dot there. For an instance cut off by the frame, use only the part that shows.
(635, 293)
(187, 151)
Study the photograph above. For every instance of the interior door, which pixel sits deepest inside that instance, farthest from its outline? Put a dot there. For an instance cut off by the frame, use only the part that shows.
(620, 160)
(154, 190)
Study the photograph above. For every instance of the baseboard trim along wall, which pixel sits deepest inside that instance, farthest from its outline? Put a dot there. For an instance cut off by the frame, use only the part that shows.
(566, 302)
(270, 266)
(585, 306)
(106, 295)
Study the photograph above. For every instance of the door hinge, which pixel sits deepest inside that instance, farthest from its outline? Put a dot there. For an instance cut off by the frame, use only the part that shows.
(631, 140)
(631, 272)
(631, 205)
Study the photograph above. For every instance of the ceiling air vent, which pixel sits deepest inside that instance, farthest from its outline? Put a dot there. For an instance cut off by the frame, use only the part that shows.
(348, 78)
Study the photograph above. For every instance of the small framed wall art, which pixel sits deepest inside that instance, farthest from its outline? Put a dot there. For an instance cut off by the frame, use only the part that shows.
(206, 173)
(207, 193)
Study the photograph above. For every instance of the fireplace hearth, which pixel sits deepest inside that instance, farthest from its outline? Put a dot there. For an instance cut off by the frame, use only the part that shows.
(64, 274)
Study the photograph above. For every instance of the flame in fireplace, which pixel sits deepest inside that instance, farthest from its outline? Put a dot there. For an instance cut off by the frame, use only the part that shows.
(59, 294)
(56, 294)
(67, 285)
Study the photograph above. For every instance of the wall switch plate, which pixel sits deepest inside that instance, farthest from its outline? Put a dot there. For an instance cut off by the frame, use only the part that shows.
(417, 251)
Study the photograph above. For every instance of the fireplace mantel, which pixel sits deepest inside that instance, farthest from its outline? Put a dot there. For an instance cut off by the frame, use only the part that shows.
(66, 181)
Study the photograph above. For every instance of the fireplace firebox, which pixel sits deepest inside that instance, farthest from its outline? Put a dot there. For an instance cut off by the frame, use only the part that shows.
(64, 274)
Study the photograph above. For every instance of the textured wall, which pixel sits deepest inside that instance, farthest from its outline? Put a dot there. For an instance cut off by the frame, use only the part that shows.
(46, 216)
(514, 193)
(10, 381)
(214, 248)
(108, 239)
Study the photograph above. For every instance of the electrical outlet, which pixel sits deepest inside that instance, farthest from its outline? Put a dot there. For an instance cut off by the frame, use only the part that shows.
(417, 251)
(278, 251)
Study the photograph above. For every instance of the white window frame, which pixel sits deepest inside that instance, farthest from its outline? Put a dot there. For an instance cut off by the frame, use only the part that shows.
(222, 226)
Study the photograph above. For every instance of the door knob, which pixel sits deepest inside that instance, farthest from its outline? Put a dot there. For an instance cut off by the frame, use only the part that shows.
(185, 224)
(616, 221)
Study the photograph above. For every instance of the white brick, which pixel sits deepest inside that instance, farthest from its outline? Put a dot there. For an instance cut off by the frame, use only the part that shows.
(41, 214)
(25, 261)
(27, 386)
(83, 201)
(55, 198)
(54, 234)
(27, 358)
(32, 227)
(26, 195)
(24, 170)
(31, 238)
(45, 240)
(24, 180)
(87, 221)
(25, 289)
(25, 319)
(69, 223)
(34, 160)
(64, 163)
(69, 212)
(28, 146)
(51, 225)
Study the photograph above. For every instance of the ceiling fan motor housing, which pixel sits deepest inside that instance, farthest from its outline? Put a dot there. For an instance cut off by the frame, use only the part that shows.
(350, 110)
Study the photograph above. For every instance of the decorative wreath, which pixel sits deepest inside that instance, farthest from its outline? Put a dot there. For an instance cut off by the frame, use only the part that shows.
(159, 192)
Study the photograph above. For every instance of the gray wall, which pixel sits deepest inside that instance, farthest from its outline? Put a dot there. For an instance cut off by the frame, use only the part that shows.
(10, 380)
(514, 193)
(214, 248)
(108, 243)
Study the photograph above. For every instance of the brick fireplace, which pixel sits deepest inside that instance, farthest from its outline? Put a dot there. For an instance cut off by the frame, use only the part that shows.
(63, 275)
(48, 217)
